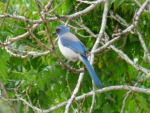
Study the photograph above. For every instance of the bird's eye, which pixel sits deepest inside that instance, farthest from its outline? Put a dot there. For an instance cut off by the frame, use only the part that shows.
(57, 30)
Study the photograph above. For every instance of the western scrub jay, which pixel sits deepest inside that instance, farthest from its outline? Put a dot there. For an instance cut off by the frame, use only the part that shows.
(73, 49)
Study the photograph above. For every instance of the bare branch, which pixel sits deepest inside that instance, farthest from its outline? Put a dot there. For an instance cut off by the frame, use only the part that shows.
(93, 99)
(137, 15)
(7, 97)
(88, 9)
(103, 90)
(106, 89)
(144, 46)
(126, 58)
(73, 96)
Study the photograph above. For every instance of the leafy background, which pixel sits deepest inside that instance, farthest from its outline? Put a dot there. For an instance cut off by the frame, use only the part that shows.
(43, 81)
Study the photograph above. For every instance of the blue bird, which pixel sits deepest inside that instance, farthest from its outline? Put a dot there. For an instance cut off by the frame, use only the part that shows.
(73, 49)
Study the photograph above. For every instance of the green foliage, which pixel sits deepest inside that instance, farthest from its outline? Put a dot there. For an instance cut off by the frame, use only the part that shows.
(4, 56)
(43, 79)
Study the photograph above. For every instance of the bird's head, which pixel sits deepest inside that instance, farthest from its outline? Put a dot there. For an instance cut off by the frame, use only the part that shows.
(60, 30)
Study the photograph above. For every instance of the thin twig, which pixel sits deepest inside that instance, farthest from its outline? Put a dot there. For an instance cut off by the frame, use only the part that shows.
(7, 97)
(6, 8)
(144, 45)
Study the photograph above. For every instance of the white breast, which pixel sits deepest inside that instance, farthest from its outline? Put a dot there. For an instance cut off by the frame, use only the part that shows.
(68, 53)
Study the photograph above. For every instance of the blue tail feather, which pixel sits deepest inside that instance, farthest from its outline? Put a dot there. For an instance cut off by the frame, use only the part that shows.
(94, 76)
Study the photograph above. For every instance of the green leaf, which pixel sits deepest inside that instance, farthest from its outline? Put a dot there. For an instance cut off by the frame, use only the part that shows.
(107, 108)
(132, 106)
(4, 57)
(142, 102)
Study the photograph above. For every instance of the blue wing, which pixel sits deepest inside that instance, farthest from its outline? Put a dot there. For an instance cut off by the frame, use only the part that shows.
(76, 46)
